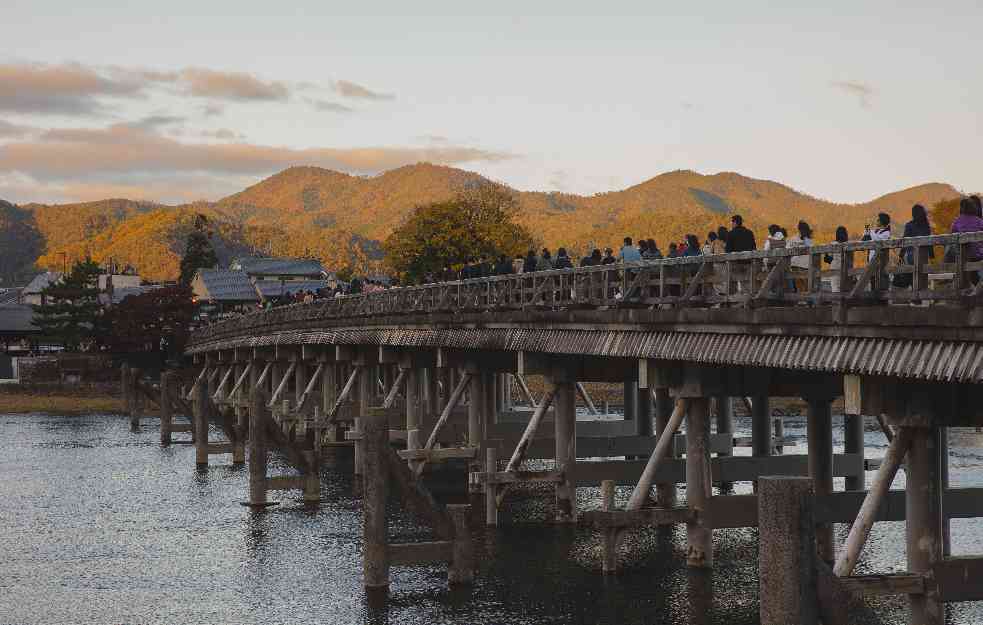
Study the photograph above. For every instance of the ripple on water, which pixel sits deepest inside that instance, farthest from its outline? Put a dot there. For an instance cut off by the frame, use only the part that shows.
(100, 525)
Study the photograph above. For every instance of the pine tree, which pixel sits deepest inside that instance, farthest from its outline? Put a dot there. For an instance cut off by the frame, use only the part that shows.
(199, 253)
(69, 313)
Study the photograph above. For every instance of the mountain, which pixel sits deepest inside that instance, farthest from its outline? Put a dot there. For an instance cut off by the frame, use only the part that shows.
(343, 218)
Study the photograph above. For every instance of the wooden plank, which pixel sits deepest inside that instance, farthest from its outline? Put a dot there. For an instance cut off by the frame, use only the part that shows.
(732, 511)
(607, 519)
(181, 427)
(514, 477)
(959, 578)
(890, 584)
(433, 455)
(219, 448)
(406, 554)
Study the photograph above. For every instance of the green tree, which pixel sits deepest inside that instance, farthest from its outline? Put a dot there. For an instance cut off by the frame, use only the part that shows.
(480, 221)
(149, 321)
(70, 311)
(198, 253)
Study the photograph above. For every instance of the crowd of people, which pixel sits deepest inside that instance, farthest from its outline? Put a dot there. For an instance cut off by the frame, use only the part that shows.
(738, 238)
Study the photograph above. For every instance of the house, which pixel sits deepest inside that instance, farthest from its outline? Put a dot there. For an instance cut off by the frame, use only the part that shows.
(31, 294)
(272, 289)
(224, 289)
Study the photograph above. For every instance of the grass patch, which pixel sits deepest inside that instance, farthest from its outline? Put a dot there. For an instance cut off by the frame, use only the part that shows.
(16, 403)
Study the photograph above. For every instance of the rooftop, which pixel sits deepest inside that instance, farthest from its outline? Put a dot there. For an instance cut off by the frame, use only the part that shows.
(265, 266)
(224, 285)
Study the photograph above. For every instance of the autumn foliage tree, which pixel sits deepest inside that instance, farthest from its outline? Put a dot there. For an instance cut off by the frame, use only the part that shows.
(480, 221)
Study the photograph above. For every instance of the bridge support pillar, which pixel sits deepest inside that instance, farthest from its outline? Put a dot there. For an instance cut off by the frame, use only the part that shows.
(787, 552)
(820, 441)
(761, 440)
(367, 381)
(630, 396)
(699, 537)
(414, 407)
(923, 527)
(853, 443)
(565, 422)
(257, 448)
(166, 410)
(200, 413)
(477, 406)
(375, 487)
(725, 425)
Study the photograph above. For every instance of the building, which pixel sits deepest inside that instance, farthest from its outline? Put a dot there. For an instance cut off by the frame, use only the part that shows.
(31, 294)
(279, 269)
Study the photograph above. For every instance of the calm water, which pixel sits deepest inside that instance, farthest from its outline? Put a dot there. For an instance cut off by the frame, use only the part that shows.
(101, 525)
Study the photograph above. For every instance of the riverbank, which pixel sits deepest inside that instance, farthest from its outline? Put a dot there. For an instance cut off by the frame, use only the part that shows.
(60, 399)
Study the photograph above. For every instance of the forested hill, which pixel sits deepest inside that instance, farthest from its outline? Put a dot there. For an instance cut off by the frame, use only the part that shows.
(343, 218)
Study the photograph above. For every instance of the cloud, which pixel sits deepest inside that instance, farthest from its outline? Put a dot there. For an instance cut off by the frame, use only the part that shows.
(70, 88)
(352, 90)
(132, 155)
(433, 139)
(156, 121)
(15, 131)
(223, 134)
(209, 83)
(862, 91)
(330, 107)
(212, 110)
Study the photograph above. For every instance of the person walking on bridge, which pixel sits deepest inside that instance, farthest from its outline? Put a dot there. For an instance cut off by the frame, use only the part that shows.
(629, 253)
(740, 239)
(969, 221)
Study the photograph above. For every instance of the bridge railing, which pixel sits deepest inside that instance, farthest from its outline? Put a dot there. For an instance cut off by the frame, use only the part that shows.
(918, 270)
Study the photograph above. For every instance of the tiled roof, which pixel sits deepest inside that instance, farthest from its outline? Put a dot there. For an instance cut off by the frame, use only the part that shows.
(278, 266)
(9, 296)
(225, 285)
(274, 288)
(41, 281)
(119, 294)
(16, 319)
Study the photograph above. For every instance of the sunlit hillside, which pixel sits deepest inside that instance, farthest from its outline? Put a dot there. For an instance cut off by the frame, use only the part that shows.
(342, 218)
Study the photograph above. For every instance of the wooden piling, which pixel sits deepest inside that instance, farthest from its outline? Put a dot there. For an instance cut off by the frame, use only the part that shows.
(136, 399)
(166, 410)
(491, 501)
(923, 527)
(761, 441)
(565, 422)
(414, 408)
(820, 442)
(853, 443)
(725, 425)
(201, 409)
(257, 447)
(476, 424)
(312, 478)
(609, 546)
(779, 434)
(462, 566)
(375, 485)
(786, 552)
(698, 534)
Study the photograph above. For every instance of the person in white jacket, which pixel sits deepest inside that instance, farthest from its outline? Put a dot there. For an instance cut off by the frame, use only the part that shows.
(800, 264)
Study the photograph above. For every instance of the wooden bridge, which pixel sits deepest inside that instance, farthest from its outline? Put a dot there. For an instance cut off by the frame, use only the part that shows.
(421, 375)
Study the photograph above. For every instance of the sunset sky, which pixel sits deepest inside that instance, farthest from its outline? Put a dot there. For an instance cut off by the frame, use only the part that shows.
(195, 100)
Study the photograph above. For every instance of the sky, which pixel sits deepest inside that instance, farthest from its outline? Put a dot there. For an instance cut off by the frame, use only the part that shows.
(182, 101)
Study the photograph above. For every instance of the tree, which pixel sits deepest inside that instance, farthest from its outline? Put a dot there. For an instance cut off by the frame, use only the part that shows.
(480, 221)
(198, 253)
(943, 214)
(69, 313)
(140, 322)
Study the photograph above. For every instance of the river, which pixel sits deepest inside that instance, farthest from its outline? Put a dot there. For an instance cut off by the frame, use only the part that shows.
(101, 525)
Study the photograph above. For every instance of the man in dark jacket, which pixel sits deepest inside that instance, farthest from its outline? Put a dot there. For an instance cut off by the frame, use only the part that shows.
(740, 239)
